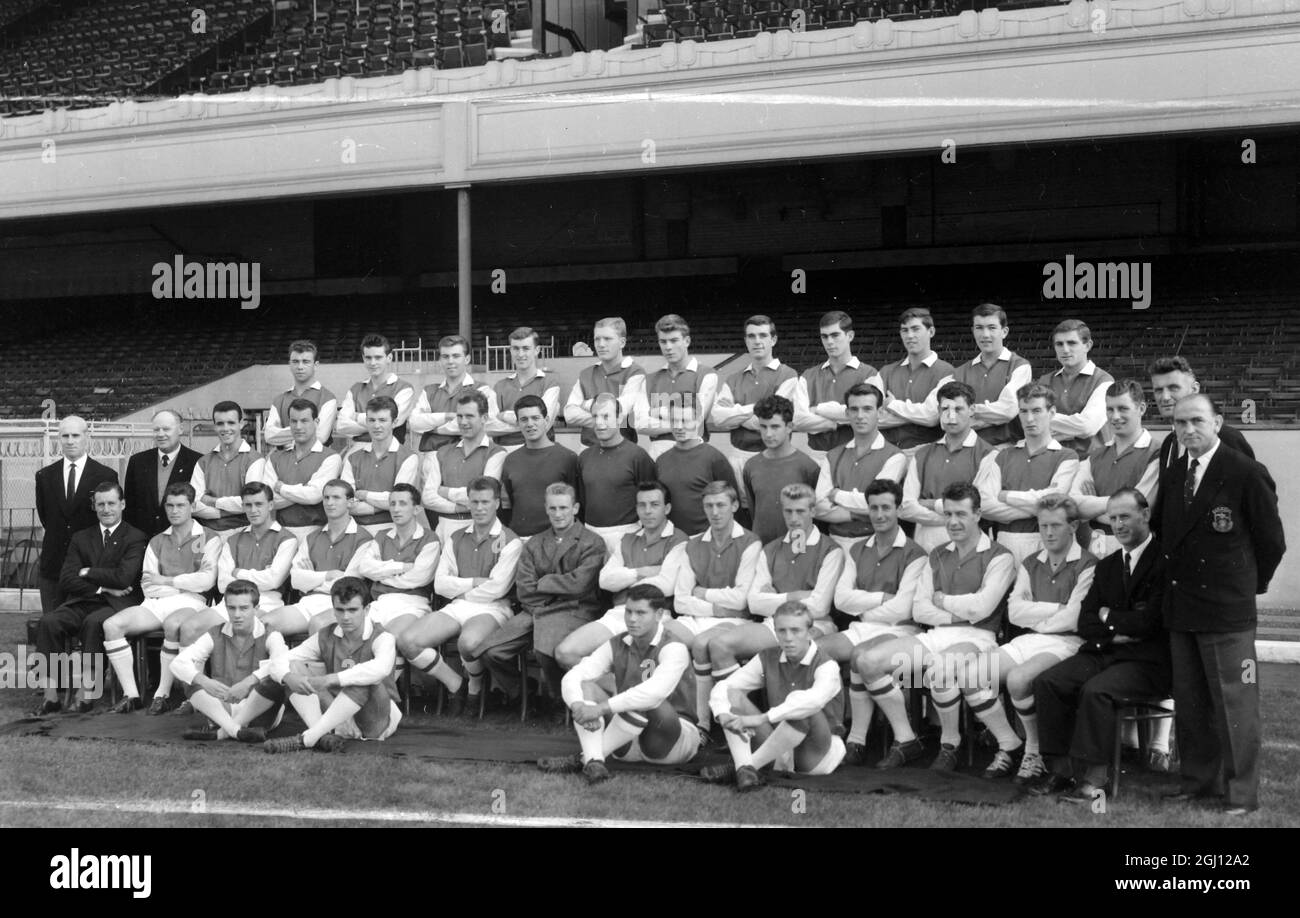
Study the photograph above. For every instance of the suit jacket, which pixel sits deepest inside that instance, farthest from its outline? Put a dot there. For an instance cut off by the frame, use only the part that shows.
(143, 501)
(1135, 612)
(1223, 549)
(61, 517)
(114, 566)
(561, 576)
(1228, 435)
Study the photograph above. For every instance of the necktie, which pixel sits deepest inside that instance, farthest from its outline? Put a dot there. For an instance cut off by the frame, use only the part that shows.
(166, 460)
(1128, 570)
(72, 482)
(105, 540)
(1189, 486)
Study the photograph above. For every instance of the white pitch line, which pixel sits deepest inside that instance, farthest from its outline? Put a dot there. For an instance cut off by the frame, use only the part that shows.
(185, 808)
(1289, 747)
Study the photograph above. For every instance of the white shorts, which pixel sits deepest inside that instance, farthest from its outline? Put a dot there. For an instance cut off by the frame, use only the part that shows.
(688, 743)
(463, 611)
(376, 528)
(349, 730)
(938, 640)
(1021, 544)
(302, 532)
(1027, 646)
(613, 535)
(861, 632)
(931, 537)
(615, 621)
(223, 534)
(737, 458)
(394, 605)
(656, 448)
(1102, 544)
(846, 542)
(313, 604)
(697, 624)
(164, 607)
(448, 527)
(269, 601)
(820, 627)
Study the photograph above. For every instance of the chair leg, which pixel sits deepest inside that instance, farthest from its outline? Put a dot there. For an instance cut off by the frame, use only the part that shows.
(1117, 752)
(523, 686)
(405, 689)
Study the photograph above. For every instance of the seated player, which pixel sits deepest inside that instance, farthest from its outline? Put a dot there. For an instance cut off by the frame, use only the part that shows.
(715, 570)
(640, 557)
(476, 571)
(321, 560)
(960, 597)
(1049, 590)
(1125, 655)
(802, 567)
(877, 587)
(400, 564)
(239, 689)
(357, 685)
(180, 565)
(650, 717)
(797, 731)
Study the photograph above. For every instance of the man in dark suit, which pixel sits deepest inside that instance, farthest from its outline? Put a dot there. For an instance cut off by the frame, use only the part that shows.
(150, 471)
(1171, 379)
(1222, 540)
(1125, 655)
(63, 490)
(100, 576)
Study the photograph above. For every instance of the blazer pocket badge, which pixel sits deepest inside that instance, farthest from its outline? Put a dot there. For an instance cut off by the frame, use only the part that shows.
(1221, 519)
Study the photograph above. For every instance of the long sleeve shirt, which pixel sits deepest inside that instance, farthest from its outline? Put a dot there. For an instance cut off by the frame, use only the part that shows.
(674, 658)
(962, 608)
(309, 493)
(269, 579)
(191, 660)
(394, 573)
(797, 705)
(199, 581)
(371, 672)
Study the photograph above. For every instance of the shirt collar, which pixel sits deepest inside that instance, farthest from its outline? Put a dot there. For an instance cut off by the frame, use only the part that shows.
(393, 445)
(172, 455)
(773, 364)
(111, 529)
(275, 527)
(878, 443)
(928, 361)
(737, 531)
(492, 533)
(811, 539)
(196, 529)
(984, 544)
(415, 537)
(664, 533)
(315, 384)
(78, 464)
(481, 441)
(1136, 553)
(807, 657)
(853, 363)
(1142, 442)
(967, 443)
(1074, 554)
(367, 629)
(258, 628)
(1004, 356)
(465, 380)
(1088, 369)
(1051, 444)
(654, 641)
(540, 373)
(1204, 461)
(243, 446)
(900, 539)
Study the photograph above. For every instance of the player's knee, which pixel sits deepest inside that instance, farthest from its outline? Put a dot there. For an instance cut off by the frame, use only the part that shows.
(467, 648)
(803, 725)
(190, 631)
(407, 646)
(873, 661)
(567, 654)
(721, 647)
(114, 630)
(1020, 684)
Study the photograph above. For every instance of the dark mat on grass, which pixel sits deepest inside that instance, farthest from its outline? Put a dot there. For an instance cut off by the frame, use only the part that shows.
(465, 741)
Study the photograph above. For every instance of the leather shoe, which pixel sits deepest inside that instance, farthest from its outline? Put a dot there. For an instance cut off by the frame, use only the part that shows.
(1083, 792)
(47, 708)
(82, 707)
(1050, 784)
(128, 704)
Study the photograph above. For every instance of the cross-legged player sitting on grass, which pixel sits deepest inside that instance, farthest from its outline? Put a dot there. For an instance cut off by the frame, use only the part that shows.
(797, 732)
(356, 686)
(238, 688)
(650, 717)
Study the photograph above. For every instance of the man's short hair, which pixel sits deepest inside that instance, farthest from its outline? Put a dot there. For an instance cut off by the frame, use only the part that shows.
(181, 488)
(1138, 497)
(963, 490)
(1176, 364)
(720, 487)
(1130, 387)
(108, 486)
(836, 317)
(614, 322)
(792, 608)
(1073, 325)
(984, 310)
(672, 323)
(648, 593)
(1036, 390)
(769, 406)
(373, 340)
(486, 483)
(955, 389)
(303, 346)
(529, 401)
(346, 589)
(861, 389)
(1060, 502)
(304, 404)
(653, 485)
(917, 312)
(450, 341)
(760, 320)
(258, 487)
(172, 411)
(382, 403)
(350, 491)
(406, 488)
(886, 486)
(522, 333)
(476, 397)
(225, 407)
(797, 490)
(1210, 402)
(562, 489)
(243, 588)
